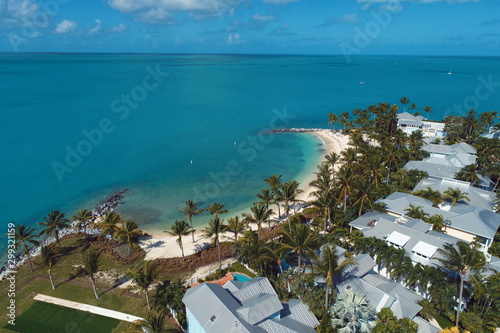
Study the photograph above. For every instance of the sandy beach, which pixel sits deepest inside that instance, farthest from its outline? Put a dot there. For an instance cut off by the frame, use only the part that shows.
(163, 245)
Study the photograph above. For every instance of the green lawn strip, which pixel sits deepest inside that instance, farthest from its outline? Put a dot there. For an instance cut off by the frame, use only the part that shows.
(444, 322)
(49, 318)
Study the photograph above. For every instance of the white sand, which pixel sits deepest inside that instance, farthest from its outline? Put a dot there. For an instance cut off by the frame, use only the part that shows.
(163, 245)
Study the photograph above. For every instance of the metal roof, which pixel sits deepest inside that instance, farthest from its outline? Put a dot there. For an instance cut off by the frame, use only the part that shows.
(253, 287)
(475, 220)
(425, 327)
(285, 325)
(259, 307)
(298, 311)
(432, 169)
(398, 239)
(424, 249)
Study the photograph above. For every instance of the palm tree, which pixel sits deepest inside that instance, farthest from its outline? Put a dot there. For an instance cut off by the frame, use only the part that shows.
(416, 212)
(129, 233)
(373, 168)
(266, 197)
(332, 118)
(290, 191)
(438, 222)
(324, 201)
(90, 267)
(49, 255)
(455, 195)
(24, 235)
(236, 226)
(109, 223)
(431, 195)
(83, 218)
(215, 227)
(190, 211)
(54, 222)
(144, 277)
(300, 240)
(332, 159)
(345, 182)
(327, 265)
(153, 323)
(364, 195)
(216, 208)
(274, 182)
(469, 173)
(179, 228)
(391, 157)
(428, 109)
(260, 214)
(465, 260)
(352, 313)
(404, 101)
(254, 252)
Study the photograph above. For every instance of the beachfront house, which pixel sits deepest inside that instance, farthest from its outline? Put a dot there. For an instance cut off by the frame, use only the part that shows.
(250, 306)
(409, 123)
(465, 222)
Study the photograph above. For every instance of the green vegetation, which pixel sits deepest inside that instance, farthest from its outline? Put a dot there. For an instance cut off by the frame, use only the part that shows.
(43, 317)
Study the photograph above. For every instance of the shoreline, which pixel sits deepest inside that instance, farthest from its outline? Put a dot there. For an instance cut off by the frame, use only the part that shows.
(163, 245)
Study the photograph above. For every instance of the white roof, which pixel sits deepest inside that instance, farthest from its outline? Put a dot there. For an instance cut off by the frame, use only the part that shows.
(425, 249)
(398, 238)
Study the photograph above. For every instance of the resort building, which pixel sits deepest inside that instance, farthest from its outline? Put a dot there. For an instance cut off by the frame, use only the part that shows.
(409, 123)
(250, 306)
(465, 222)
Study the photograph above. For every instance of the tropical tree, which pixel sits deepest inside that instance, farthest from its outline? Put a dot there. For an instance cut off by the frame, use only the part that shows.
(455, 195)
(236, 226)
(189, 211)
(416, 212)
(324, 201)
(255, 252)
(54, 222)
(83, 217)
(290, 191)
(49, 255)
(24, 235)
(332, 118)
(300, 240)
(469, 173)
(352, 313)
(364, 195)
(332, 159)
(345, 182)
(387, 322)
(266, 197)
(90, 267)
(274, 182)
(215, 227)
(129, 233)
(466, 261)
(109, 223)
(144, 277)
(216, 208)
(179, 228)
(153, 323)
(428, 109)
(404, 101)
(438, 222)
(431, 195)
(327, 266)
(260, 214)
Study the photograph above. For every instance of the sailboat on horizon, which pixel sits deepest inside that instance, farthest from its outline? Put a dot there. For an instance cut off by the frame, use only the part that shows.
(450, 72)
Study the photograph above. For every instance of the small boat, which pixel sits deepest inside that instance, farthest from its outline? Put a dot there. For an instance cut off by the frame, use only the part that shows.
(361, 82)
(449, 73)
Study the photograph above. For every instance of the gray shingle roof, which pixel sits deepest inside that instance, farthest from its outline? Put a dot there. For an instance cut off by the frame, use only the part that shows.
(425, 327)
(465, 148)
(475, 220)
(478, 197)
(432, 169)
(249, 307)
(371, 218)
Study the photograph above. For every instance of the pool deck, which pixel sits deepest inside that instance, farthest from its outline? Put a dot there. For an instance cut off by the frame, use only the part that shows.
(222, 281)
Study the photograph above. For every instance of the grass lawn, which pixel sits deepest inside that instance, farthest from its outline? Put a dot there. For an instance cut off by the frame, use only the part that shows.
(43, 317)
(78, 289)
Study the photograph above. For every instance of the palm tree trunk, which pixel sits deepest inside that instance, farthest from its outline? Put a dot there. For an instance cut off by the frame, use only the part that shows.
(300, 261)
(192, 230)
(460, 298)
(327, 294)
(182, 248)
(218, 252)
(27, 252)
(95, 289)
(51, 281)
(147, 299)
(57, 238)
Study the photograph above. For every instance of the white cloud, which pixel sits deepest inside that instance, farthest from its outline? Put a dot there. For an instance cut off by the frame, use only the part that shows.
(234, 39)
(162, 11)
(65, 27)
(18, 13)
(119, 28)
(97, 28)
(258, 17)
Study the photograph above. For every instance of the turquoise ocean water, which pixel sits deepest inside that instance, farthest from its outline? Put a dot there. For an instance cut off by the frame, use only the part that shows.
(176, 127)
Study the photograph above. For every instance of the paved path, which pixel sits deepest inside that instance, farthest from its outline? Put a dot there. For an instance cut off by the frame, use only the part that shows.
(87, 308)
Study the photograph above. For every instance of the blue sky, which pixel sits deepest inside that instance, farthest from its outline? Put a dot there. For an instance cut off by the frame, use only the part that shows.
(429, 27)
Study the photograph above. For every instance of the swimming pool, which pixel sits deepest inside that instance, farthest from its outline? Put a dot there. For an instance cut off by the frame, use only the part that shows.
(240, 277)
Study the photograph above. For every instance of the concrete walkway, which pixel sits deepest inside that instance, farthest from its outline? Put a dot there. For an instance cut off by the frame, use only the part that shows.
(87, 308)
